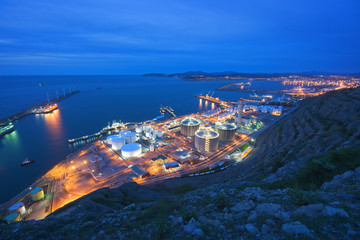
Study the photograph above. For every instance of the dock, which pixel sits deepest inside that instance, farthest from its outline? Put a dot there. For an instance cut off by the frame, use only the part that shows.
(168, 110)
(32, 110)
(214, 100)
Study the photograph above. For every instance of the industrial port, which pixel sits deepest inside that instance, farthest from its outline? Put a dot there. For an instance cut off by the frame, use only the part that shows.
(151, 151)
(148, 152)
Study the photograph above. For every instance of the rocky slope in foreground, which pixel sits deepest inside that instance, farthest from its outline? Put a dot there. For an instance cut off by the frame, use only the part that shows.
(299, 183)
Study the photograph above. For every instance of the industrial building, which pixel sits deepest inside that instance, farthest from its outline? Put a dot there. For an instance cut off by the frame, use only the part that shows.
(189, 126)
(170, 165)
(158, 159)
(226, 131)
(131, 150)
(139, 171)
(206, 140)
(183, 155)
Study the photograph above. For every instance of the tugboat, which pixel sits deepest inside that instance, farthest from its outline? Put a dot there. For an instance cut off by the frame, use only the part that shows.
(27, 161)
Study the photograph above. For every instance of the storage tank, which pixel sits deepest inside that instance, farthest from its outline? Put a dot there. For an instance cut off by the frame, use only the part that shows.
(108, 139)
(189, 126)
(37, 194)
(226, 131)
(13, 217)
(131, 150)
(18, 207)
(206, 140)
(147, 133)
(138, 130)
(152, 148)
(117, 143)
(160, 134)
(123, 132)
(145, 127)
(130, 137)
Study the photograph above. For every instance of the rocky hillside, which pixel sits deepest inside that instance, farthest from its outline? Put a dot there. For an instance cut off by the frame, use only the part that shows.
(221, 211)
(302, 181)
(320, 126)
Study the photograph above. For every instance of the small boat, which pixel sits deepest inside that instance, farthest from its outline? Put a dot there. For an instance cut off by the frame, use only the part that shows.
(71, 140)
(27, 161)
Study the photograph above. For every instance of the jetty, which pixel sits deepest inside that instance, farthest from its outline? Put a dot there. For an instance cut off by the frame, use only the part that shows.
(32, 110)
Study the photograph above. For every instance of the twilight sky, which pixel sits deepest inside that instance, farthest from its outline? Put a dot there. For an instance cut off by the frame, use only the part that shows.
(141, 36)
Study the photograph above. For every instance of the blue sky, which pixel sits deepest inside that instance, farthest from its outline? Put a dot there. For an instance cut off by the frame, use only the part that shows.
(135, 37)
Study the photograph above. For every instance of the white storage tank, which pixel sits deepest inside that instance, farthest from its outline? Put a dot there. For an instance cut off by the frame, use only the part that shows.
(189, 125)
(206, 140)
(117, 143)
(131, 150)
(130, 137)
(160, 134)
(138, 130)
(18, 207)
(145, 127)
(226, 131)
(108, 139)
(152, 148)
(147, 133)
(123, 133)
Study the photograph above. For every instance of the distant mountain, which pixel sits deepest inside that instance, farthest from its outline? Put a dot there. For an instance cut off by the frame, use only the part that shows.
(200, 75)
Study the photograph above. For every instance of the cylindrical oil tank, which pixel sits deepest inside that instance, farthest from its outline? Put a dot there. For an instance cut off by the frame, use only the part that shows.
(37, 194)
(153, 137)
(206, 140)
(189, 126)
(108, 139)
(123, 133)
(147, 133)
(138, 130)
(160, 134)
(117, 142)
(226, 131)
(13, 217)
(145, 127)
(130, 137)
(152, 148)
(18, 207)
(131, 150)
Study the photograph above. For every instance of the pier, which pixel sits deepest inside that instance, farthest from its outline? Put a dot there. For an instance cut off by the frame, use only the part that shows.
(214, 100)
(33, 109)
(168, 110)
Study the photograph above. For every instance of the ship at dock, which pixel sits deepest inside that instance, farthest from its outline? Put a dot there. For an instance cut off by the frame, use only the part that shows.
(46, 109)
(6, 129)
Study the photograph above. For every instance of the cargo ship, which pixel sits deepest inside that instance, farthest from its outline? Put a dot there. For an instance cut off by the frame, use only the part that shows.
(47, 109)
(6, 129)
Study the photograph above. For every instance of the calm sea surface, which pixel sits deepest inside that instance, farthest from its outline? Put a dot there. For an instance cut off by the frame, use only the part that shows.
(101, 100)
